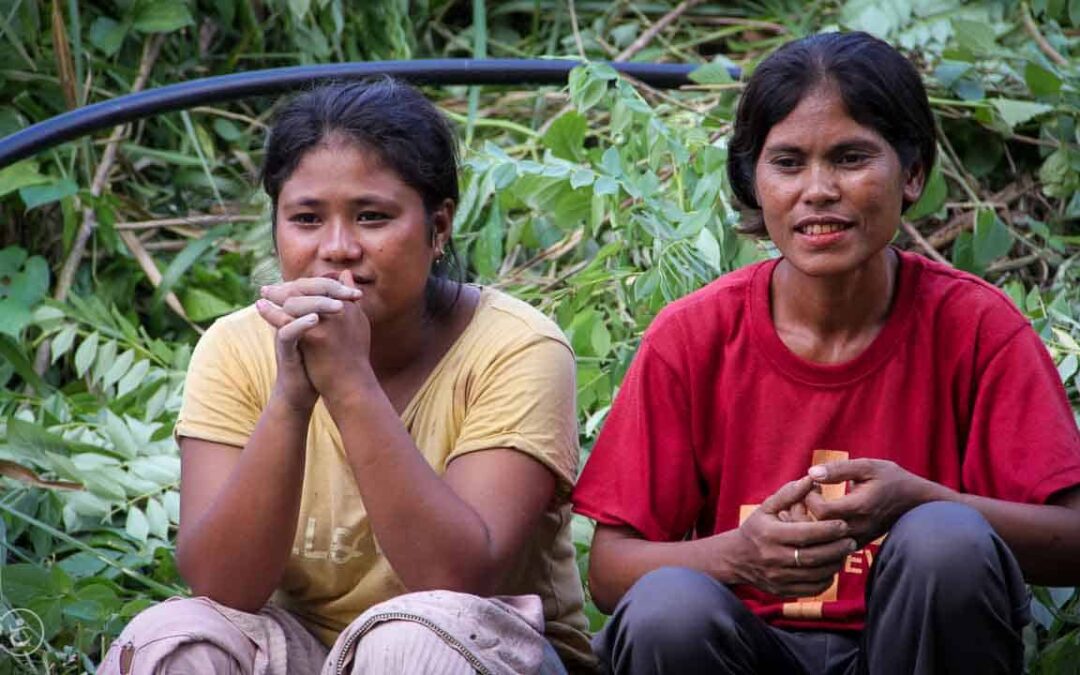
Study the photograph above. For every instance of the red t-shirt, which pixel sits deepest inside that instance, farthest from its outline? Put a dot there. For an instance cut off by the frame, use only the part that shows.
(716, 413)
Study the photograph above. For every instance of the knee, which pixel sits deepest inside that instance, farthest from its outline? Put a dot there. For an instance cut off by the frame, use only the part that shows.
(674, 606)
(159, 639)
(943, 540)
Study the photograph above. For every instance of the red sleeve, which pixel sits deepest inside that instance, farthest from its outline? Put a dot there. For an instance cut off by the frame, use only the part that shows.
(641, 471)
(1023, 444)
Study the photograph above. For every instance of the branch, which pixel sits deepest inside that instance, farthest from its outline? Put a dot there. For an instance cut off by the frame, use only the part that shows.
(645, 38)
(1044, 45)
(212, 219)
(917, 237)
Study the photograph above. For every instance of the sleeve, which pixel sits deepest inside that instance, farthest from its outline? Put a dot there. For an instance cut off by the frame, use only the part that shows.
(220, 402)
(642, 470)
(525, 400)
(1023, 444)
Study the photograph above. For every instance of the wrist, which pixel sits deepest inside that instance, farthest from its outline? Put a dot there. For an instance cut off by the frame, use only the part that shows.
(288, 403)
(725, 565)
(929, 491)
(349, 391)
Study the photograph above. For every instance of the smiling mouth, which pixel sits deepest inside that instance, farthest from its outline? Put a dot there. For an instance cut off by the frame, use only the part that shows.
(817, 229)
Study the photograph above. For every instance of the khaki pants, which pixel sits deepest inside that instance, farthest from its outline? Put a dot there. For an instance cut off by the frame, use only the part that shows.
(436, 633)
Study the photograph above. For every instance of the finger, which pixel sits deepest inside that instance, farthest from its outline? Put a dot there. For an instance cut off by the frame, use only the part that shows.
(312, 304)
(828, 555)
(804, 589)
(272, 314)
(787, 495)
(291, 333)
(347, 280)
(798, 512)
(783, 516)
(808, 533)
(838, 472)
(331, 288)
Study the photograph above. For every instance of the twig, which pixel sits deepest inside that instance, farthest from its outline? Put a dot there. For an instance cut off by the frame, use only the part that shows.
(645, 38)
(1014, 264)
(101, 175)
(1039, 38)
(917, 237)
(149, 268)
(214, 219)
(748, 23)
(67, 272)
(576, 30)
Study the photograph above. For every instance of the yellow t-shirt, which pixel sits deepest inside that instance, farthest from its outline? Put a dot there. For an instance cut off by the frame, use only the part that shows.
(507, 382)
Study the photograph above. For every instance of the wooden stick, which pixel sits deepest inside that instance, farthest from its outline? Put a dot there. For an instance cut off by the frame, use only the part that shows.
(645, 38)
(923, 244)
(208, 219)
(1044, 45)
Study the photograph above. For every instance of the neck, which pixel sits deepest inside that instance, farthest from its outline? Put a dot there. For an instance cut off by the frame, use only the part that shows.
(835, 307)
(403, 341)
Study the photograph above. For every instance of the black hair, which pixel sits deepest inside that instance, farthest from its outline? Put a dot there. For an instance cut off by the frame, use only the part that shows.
(880, 88)
(403, 129)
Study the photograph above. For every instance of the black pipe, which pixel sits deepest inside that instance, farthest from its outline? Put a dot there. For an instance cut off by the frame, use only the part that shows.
(120, 110)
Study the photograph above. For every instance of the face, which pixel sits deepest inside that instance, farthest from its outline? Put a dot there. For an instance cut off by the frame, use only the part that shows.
(342, 210)
(830, 189)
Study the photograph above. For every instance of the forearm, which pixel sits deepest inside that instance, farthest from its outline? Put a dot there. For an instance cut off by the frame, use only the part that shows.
(619, 557)
(235, 553)
(431, 536)
(1044, 538)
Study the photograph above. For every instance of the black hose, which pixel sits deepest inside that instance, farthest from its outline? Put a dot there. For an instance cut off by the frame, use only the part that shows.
(120, 110)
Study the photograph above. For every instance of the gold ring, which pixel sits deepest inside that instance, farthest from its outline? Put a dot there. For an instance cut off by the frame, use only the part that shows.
(796, 556)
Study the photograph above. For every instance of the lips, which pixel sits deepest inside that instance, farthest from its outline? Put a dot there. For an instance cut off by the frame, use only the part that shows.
(820, 225)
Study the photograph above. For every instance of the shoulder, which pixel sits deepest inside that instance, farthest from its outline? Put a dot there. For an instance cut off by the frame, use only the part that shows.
(962, 303)
(240, 336)
(506, 320)
(712, 313)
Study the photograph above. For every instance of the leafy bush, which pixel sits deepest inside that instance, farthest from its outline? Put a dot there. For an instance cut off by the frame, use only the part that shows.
(599, 203)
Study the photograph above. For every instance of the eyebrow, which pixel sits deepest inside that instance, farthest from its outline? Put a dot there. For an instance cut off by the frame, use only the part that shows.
(843, 146)
(370, 201)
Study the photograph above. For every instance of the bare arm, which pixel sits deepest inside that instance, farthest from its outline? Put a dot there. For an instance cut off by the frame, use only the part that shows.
(459, 532)
(760, 552)
(238, 509)
(1044, 538)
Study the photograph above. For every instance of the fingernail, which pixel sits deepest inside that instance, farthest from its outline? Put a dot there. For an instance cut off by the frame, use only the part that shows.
(260, 304)
(852, 544)
(312, 318)
(335, 305)
(262, 290)
(818, 472)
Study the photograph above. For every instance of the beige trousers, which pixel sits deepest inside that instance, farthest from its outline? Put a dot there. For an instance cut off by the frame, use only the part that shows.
(436, 633)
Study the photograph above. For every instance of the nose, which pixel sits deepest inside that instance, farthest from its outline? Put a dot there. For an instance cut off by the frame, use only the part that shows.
(341, 242)
(821, 186)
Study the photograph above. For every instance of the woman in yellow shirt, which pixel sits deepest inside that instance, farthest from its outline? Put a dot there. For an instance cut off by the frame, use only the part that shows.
(370, 429)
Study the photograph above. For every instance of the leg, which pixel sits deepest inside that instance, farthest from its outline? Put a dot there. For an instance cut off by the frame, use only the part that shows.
(676, 620)
(197, 635)
(945, 595)
(445, 633)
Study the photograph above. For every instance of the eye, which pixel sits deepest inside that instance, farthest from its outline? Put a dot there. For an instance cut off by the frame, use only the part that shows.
(304, 218)
(371, 216)
(786, 162)
(852, 158)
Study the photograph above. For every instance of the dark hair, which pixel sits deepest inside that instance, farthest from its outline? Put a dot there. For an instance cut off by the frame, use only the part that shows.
(396, 123)
(880, 88)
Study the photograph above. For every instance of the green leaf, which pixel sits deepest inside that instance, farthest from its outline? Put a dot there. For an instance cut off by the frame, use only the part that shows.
(709, 248)
(711, 73)
(299, 8)
(1068, 367)
(106, 355)
(588, 85)
(156, 518)
(21, 583)
(186, 258)
(566, 136)
(600, 339)
(137, 526)
(20, 175)
(12, 353)
(991, 240)
(933, 197)
(14, 316)
(63, 341)
(227, 130)
(1041, 81)
(1017, 112)
(133, 378)
(85, 354)
(118, 369)
(108, 35)
(975, 36)
(160, 16)
(36, 195)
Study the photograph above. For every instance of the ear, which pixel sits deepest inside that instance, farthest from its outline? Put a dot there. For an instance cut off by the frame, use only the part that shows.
(442, 225)
(914, 181)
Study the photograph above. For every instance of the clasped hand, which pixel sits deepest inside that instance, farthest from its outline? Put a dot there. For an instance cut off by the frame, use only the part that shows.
(323, 336)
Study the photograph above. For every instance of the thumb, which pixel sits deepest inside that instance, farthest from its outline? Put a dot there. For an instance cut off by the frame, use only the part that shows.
(346, 278)
(789, 494)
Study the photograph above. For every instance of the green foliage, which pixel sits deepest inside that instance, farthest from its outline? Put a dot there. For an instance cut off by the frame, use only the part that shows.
(598, 202)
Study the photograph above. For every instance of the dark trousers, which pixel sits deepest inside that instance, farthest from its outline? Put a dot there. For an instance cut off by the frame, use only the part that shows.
(945, 595)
